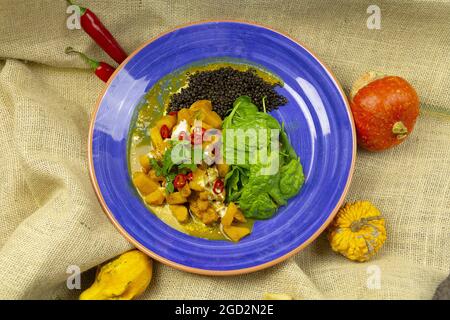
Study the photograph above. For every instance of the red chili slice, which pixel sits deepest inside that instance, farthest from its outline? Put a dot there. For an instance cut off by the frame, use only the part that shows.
(190, 176)
(197, 135)
(180, 181)
(172, 113)
(218, 186)
(164, 131)
(183, 136)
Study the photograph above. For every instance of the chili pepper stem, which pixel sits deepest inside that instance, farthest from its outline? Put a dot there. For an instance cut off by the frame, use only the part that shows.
(82, 9)
(92, 63)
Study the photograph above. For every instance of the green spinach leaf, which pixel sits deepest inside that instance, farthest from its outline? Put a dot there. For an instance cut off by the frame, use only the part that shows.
(259, 195)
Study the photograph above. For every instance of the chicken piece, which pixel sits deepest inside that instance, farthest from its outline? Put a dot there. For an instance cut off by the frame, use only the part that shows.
(204, 195)
(209, 216)
(193, 206)
(202, 204)
(175, 198)
(198, 180)
(186, 191)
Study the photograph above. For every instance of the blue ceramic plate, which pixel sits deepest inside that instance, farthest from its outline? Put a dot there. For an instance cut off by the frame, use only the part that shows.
(317, 120)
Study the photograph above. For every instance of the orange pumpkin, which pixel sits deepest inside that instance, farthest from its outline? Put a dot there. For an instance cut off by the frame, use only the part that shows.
(385, 109)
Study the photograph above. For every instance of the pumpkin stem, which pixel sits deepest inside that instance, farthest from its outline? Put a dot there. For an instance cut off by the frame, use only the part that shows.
(400, 130)
(357, 225)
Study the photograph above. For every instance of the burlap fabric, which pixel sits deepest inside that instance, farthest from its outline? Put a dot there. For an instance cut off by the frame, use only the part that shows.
(50, 218)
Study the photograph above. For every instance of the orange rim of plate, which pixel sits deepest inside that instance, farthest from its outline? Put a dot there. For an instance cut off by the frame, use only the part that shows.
(206, 271)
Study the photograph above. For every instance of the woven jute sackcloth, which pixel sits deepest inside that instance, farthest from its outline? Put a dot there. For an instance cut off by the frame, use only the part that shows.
(50, 217)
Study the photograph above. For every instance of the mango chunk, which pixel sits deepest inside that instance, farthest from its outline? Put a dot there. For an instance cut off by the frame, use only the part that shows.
(223, 169)
(205, 105)
(175, 198)
(152, 175)
(239, 216)
(180, 212)
(156, 138)
(213, 119)
(228, 218)
(236, 233)
(168, 120)
(184, 114)
(209, 117)
(155, 198)
(144, 161)
(144, 184)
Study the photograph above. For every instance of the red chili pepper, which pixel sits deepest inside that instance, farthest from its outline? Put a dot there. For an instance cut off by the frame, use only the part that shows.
(172, 113)
(197, 135)
(97, 31)
(190, 176)
(183, 136)
(164, 131)
(101, 69)
(179, 181)
(218, 186)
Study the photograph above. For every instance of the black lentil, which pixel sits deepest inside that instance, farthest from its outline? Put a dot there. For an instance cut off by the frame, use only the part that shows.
(223, 86)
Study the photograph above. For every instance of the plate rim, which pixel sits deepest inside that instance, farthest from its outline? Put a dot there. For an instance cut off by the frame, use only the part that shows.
(210, 272)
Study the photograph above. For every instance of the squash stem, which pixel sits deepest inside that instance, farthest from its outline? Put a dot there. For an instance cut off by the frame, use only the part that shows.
(400, 130)
(357, 225)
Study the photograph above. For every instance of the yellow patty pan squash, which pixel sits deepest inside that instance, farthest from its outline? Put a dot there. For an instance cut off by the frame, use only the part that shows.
(358, 231)
(123, 278)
